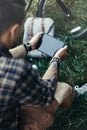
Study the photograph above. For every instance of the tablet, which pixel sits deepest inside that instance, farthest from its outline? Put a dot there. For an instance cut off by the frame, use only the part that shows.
(49, 45)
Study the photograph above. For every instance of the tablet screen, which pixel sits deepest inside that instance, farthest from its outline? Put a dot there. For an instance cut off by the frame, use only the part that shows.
(49, 45)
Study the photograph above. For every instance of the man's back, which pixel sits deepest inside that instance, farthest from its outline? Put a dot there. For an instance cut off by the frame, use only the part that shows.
(10, 74)
(19, 84)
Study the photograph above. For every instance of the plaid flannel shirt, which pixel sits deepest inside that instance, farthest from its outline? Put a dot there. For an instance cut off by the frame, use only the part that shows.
(19, 84)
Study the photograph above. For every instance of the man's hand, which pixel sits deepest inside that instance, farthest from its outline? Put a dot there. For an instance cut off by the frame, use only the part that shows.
(33, 42)
(61, 54)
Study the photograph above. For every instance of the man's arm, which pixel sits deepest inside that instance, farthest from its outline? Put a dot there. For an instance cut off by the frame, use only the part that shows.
(53, 68)
(20, 50)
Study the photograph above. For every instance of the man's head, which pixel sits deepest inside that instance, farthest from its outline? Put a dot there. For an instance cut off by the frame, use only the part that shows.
(11, 20)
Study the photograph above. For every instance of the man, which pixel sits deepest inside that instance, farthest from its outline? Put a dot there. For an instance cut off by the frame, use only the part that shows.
(19, 83)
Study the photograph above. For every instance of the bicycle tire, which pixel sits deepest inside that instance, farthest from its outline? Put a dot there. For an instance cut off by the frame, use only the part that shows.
(40, 8)
(28, 5)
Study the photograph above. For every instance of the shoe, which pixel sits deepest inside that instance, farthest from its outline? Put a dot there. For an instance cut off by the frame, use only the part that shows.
(81, 90)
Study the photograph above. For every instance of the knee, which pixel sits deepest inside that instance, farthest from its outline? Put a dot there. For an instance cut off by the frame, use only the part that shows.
(63, 91)
(67, 88)
(70, 97)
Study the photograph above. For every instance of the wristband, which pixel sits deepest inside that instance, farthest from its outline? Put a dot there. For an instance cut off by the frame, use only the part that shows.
(57, 60)
(27, 47)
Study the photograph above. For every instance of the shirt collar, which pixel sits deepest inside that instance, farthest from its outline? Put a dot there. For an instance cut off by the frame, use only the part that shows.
(4, 51)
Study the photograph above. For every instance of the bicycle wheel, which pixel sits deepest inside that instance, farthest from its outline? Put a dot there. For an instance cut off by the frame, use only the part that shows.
(41, 6)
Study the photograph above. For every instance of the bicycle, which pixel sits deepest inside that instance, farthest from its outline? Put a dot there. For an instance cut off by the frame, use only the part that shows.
(41, 5)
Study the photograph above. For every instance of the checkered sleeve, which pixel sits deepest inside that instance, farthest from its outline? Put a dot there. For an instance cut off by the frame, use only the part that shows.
(31, 89)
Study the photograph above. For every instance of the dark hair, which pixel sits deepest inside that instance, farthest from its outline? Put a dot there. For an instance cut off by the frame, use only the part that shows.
(20, 2)
(10, 14)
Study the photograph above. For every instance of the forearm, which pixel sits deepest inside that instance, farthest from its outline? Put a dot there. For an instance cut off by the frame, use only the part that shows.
(18, 51)
(21, 50)
(53, 68)
(51, 71)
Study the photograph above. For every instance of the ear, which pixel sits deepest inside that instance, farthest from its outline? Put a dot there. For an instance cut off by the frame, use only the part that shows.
(14, 30)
